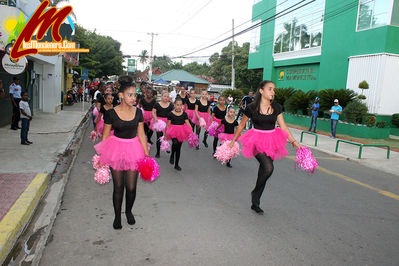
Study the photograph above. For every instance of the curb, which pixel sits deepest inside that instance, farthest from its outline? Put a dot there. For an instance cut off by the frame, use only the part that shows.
(16, 219)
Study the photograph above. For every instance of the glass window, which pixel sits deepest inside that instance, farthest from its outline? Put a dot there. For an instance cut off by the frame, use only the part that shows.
(294, 31)
(373, 13)
(255, 39)
(257, 1)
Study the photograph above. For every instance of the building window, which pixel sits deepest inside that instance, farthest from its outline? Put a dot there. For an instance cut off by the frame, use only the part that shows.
(300, 29)
(255, 38)
(373, 13)
(257, 1)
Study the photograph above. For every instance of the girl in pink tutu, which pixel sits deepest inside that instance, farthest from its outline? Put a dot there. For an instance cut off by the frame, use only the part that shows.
(265, 142)
(182, 94)
(160, 112)
(108, 98)
(190, 109)
(123, 150)
(147, 103)
(229, 123)
(96, 112)
(178, 129)
(203, 110)
(218, 114)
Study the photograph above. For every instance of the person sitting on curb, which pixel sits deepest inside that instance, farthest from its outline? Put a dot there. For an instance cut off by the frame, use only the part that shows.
(26, 117)
(315, 113)
(336, 111)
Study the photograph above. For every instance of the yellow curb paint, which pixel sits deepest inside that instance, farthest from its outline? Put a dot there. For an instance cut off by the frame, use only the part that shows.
(351, 180)
(13, 223)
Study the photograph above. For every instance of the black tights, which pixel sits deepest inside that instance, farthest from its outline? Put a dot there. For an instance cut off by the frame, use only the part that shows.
(193, 126)
(205, 134)
(121, 180)
(265, 171)
(148, 132)
(176, 149)
(159, 135)
(215, 143)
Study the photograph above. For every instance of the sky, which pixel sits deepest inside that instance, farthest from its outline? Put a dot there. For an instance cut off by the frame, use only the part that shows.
(182, 25)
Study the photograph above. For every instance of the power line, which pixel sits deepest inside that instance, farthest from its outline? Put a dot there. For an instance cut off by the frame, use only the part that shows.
(191, 17)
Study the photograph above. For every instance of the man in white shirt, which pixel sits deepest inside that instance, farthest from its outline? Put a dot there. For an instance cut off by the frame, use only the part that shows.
(173, 94)
(26, 117)
(15, 95)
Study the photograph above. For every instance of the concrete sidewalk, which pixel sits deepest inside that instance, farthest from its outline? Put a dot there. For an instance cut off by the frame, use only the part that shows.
(372, 157)
(26, 170)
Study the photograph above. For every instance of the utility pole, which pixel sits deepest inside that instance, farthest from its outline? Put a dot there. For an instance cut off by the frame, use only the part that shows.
(152, 50)
(232, 63)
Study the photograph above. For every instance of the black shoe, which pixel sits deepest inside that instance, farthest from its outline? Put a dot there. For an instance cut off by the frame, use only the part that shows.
(14, 128)
(229, 165)
(18, 127)
(25, 143)
(150, 142)
(178, 168)
(167, 151)
(157, 155)
(130, 218)
(117, 224)
(29, 142)
(257, 209)
(172, 160)
(205, 144)
(197, 148)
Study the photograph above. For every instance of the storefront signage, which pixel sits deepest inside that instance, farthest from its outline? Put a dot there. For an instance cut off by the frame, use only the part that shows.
(14, 67)
(303, 73)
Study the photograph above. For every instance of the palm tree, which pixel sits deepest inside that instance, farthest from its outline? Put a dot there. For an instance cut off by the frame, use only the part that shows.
(144, 57)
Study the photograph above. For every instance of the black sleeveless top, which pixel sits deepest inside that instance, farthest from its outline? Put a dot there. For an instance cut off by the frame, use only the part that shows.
(203, 108)
(219, 114)
(123, 129)
(163, 112)
(261, 121)
(177, 120)
(147, 106)
(191, 106)
(229, 127)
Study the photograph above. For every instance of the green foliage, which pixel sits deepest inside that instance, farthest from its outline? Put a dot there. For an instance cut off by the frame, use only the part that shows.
(361, 97)
(282, 94)
(237, 94)
(363, 85)
(300, 101)
(395, 120)
(355, 111)
(144, 57)
(370, 121)
(381, 124)
(327, 97)
(105, 57)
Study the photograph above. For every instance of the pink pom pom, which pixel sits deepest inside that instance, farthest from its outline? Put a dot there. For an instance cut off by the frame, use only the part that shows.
(94, 135)
(193, 140)
(165, 144)
(148, 169)
(224, 153)
(202, 122)
(96, 162)
(212, 129)
(159, 126)
(305, 160)
(102, 175)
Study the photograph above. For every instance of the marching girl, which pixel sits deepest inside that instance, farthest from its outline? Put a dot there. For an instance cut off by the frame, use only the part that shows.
(190, 109)
(203, 110)
(147, 103)
(161, 111)
(265, 142)
(124, 149)
(108, 98)
(229, 124)
(218, 113)
(178, 129)
(96, 113)
(183, 96)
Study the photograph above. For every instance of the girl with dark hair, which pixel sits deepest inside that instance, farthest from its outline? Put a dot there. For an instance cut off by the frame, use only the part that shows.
(265, 142)
(203, 110)
(108, 98)
(178, 129)
(182, 94)
(123, 150)
(218, 113)
(190, 109)
(147, 103)
(161, 111)
(229, 124)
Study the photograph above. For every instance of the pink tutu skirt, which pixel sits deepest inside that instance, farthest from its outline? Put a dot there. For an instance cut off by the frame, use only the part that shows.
(100, 126)
(165, 119)
(147, 115)
(207, 117)
(217, 120)
(223, 137)
(192, 117)
(179, 132)
(120, 154)
(270, 142)
(95, 112)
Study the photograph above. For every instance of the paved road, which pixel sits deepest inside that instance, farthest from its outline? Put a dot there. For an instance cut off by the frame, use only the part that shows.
(342, 215)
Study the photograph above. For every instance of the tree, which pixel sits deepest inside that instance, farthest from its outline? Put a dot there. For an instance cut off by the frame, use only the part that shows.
(363, 86)
(144, 57)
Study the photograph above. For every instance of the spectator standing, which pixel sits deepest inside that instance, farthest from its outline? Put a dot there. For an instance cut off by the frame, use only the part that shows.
(315, 112)
(26, 117)
(336, 111)
(15, 95)
(245, 101)
(230, 100)
(80, 94)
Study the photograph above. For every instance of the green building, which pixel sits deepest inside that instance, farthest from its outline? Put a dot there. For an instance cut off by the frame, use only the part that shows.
(321, 44)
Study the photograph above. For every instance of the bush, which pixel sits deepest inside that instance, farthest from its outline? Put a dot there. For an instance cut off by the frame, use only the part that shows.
(281, 95)
(370, 121)
(237, 94)
(300, 101)
(395, 120)
(343, 95)
(355, 111)
(381, 124)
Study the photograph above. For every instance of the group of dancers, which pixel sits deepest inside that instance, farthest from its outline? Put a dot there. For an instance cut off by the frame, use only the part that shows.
(128, 128)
